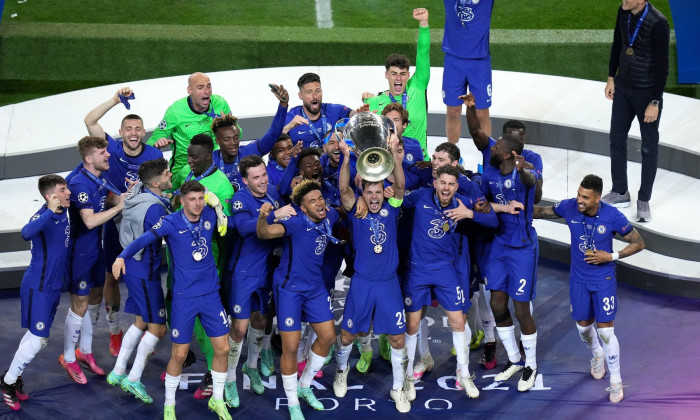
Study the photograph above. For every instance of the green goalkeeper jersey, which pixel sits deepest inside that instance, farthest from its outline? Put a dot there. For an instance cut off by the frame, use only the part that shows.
(417, 102)
(181, 123)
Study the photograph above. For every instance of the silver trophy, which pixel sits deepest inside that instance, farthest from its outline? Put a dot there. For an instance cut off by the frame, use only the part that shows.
(370, 134)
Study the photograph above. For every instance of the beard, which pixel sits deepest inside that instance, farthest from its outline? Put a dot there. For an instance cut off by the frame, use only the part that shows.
(495, 161)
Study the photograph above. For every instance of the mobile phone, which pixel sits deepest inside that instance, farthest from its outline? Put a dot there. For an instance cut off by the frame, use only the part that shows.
(274, 88)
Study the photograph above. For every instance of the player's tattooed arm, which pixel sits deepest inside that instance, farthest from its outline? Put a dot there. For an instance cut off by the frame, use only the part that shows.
(635, 241)
(540, 212)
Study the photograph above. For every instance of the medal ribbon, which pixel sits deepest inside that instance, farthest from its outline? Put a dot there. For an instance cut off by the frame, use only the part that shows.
(318, 136)
(324, 228)
(102, 182)
(204, 174)
(163, 200)
(590, 242)
(196, 232)
(219, 161)
(374, 223)
(441, 214)
(404, 98)
(633, 37)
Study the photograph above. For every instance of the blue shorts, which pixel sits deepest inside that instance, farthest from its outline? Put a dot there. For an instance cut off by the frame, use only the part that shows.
(593, 299)
(443, 283)
(513, 271)
(89, 278)
(458, 73)
(110, 243)
(374, 302)
(249, 294)
(293, 308)
(38, 309)
(145, 299)
(207, 307)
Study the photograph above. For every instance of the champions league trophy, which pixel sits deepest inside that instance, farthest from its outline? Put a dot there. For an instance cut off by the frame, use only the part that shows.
(370, 134)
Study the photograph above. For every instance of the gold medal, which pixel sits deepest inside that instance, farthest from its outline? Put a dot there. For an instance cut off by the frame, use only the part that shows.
(377, 249)
(197, 256)
(446, 227)
(630, 51)
(588, 252)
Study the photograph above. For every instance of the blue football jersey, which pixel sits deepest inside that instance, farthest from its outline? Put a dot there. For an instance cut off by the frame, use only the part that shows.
(374, 242)
(123, 166)
(595, 232)
(305, 243)
(50, 236)
(312, 134)
(186, 244)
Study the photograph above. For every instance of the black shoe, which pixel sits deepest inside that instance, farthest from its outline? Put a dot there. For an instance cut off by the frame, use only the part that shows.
(489, 357)
(205, 388)
(9, 394)
(189, 360)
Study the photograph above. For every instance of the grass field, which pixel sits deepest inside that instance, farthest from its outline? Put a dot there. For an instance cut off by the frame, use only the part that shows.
(507, 14)
(43, 43)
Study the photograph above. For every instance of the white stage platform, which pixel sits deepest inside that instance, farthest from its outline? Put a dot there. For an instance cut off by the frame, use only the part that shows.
(42, 133)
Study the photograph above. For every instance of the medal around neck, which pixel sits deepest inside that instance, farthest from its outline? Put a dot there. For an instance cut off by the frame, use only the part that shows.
(197, 255)
(378, 249)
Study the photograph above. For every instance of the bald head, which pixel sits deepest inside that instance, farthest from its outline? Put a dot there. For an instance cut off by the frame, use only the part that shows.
(199, 89)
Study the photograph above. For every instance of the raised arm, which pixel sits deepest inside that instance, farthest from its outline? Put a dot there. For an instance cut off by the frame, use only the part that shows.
(399, 185)
(422, 72)
(264, 145)
(481, 139)
(347, 195)
(91, 119)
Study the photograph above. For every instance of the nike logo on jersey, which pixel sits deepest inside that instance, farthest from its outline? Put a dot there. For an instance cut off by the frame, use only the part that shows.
(574, 221)
(308, 229)
(426, 207)
(609, 313)
(183, 231)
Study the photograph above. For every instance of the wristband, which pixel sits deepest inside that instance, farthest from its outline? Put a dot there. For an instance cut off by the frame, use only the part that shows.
(270, 218)
(615, 256)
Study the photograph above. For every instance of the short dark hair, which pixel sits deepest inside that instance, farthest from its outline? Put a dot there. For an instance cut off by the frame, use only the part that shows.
(303, 188)
(151, 169)
(449, 170)
(224, 121)
(88, 143)
(48, 182)
(366, 183)
(249, 162)
(191, 186)
(308, 78)
(513, 143)
(451, 149)
(283, 137)
(308, 151)
(593, 182)
(395, 106)
(203, 140)
(397, 60)
(517, 124)
(132, 117)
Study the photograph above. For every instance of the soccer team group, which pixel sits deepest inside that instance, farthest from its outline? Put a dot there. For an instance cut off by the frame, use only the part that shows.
(250, 241)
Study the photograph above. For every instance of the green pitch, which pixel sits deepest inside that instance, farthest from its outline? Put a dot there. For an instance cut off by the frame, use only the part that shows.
(43, 46)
